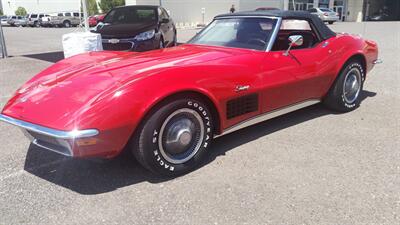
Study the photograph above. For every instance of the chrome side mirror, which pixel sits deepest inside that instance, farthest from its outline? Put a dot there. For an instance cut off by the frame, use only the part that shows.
(295, 41)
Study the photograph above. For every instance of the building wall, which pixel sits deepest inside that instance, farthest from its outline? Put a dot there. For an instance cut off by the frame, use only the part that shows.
(190, 11)
(354, 7)
(40, 6)
(251, 5)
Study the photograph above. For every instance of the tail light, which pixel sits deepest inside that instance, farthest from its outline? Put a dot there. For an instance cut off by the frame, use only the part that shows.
(337, 14)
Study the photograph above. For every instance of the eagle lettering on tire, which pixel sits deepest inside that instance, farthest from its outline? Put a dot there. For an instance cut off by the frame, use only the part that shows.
(181, 132)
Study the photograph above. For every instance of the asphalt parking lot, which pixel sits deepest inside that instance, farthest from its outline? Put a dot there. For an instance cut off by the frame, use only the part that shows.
(311, 166)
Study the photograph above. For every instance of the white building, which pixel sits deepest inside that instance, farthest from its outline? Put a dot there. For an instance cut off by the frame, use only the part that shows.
(40, 6)
(190, 11)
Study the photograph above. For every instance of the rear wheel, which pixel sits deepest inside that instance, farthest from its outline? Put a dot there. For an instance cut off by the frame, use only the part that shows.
(67, 24)
(330, 22)
(344, 95)
(173, 139)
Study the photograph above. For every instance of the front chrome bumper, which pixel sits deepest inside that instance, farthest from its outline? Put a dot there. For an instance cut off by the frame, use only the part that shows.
(54, 140)
(377, 61)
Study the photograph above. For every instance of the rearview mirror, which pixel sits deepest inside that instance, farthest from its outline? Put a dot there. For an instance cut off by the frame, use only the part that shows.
(294, 41)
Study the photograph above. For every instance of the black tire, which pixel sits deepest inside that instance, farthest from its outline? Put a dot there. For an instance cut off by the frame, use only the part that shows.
(338, 98)
(67, 24)
(36, 24)
(330, 22)
(186, 148)
(175, 41)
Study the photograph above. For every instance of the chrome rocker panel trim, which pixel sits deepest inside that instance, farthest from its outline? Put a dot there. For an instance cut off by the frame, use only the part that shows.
(49, 131)
(270, 115)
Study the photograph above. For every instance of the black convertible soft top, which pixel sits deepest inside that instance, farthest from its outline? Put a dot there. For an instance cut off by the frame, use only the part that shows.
(321, 28)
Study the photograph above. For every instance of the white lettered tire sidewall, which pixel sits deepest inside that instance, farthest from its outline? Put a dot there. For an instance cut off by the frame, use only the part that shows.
(356, 103)
(150, 135)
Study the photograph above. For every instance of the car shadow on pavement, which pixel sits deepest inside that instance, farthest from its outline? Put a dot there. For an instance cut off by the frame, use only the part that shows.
(48, 56)
(96, 176)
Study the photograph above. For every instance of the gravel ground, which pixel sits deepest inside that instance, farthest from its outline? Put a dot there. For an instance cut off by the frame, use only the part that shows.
(308, 167)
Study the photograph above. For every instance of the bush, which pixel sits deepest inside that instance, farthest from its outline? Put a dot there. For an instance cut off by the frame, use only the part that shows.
(107, 5)
(21, 11)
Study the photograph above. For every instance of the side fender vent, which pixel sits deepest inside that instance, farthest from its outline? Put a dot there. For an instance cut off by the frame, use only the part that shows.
(242, 105)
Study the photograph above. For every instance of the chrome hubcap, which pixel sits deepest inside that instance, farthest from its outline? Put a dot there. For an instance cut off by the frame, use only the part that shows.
(181, 136)
(352, 85)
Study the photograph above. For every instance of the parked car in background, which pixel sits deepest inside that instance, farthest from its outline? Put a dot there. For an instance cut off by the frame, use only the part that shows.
(33, 19)
(93, 20)
(66, 19)
(326, 15)
(167, 105)
(45, 20)
(17, 21)
(266, 8)
(3, 20)
(137, 28)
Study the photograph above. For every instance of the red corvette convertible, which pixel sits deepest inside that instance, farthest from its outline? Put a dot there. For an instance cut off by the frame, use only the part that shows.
(167, 105)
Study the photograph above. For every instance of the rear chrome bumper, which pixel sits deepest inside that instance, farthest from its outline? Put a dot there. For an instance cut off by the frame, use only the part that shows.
(54, 140)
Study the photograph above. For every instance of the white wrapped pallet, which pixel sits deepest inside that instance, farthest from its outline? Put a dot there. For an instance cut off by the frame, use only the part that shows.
(80, 42)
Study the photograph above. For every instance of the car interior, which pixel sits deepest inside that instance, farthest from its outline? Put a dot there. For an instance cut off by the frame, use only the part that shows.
(295, 27)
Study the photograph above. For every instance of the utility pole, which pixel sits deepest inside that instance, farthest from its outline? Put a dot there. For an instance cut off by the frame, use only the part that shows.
(85, 14)
(3, 43)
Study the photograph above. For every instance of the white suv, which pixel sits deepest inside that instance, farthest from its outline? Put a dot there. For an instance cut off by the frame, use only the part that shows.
(66, 19)
(33, 19)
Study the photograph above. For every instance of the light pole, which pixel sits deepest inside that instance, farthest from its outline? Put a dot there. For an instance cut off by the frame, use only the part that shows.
(85, 14)
(3, 43)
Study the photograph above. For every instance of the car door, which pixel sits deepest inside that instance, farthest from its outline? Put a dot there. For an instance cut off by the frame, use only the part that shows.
(303, 74)
(76, 20)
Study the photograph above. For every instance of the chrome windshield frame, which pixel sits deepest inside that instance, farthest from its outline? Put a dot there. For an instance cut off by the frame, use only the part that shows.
(273, 35)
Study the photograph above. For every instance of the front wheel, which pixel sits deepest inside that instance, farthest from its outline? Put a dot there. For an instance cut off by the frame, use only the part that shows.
(344, 95)
(174, 138)
(330, 22)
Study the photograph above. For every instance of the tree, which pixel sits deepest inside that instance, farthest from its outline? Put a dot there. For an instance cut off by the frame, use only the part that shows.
(107, 5)
(1, 12)
(21, 11)
(91, 7)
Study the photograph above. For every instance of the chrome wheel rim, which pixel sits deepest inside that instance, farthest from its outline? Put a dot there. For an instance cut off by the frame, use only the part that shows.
(352, 85)
(181, 136)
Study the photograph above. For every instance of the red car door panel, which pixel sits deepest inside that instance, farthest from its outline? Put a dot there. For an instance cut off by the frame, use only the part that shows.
(301, 75)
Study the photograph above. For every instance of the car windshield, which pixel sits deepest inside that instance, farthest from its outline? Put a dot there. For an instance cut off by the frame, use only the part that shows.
(248, 33)
(129, 15)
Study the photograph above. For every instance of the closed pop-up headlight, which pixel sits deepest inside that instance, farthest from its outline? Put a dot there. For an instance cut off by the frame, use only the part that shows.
(145, 35)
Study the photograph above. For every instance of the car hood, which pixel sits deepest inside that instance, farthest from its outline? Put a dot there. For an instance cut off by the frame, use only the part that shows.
(122, 30)
(59, 95)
